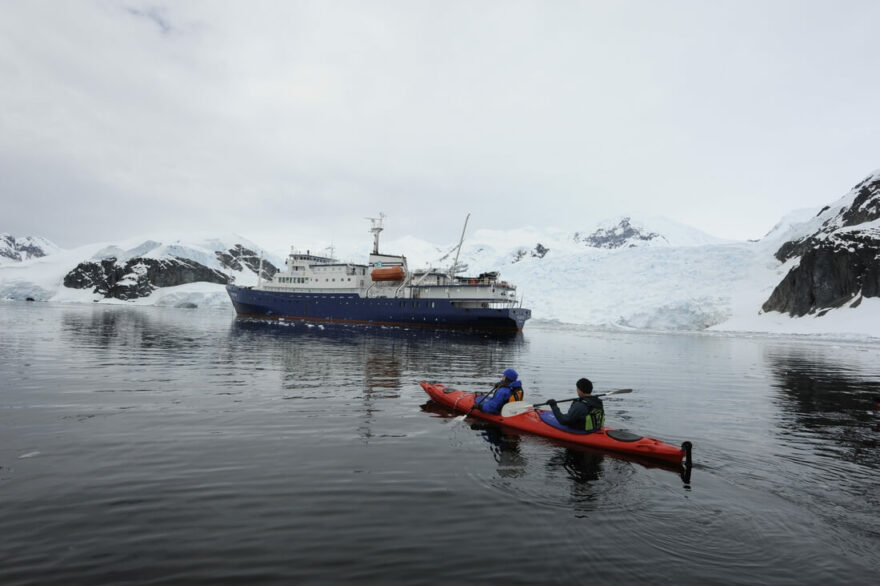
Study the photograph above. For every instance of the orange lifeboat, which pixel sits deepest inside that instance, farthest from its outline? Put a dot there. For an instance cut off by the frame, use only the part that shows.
(388, 274)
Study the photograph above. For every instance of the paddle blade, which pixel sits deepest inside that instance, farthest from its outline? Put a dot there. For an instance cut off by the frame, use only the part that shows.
(516, 408)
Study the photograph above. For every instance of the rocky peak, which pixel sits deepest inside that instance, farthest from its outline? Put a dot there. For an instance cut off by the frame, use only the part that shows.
(620, 235)
(860, 206)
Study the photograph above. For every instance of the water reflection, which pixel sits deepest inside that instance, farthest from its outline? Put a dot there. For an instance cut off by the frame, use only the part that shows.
(376, 358)
(367, 364)
(505, 449)
(134, 328)
(822, 399)
(583, 468)
(274, 483)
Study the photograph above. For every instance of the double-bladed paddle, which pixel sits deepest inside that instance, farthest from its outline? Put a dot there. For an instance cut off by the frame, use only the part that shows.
(520, 407)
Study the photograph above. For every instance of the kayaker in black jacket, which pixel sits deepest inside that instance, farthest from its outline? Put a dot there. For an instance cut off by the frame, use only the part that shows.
(586, 412)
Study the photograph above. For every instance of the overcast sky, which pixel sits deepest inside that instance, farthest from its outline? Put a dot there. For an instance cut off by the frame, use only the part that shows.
(289, 122)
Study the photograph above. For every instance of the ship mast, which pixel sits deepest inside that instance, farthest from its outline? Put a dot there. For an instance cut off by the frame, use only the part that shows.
(454, 268)
(376, 227)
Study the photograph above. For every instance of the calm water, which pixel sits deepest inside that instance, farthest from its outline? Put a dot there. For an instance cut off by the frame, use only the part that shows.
(169, 446)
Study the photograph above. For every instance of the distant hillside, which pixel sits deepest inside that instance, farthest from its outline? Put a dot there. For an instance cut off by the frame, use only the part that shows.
(137, 270)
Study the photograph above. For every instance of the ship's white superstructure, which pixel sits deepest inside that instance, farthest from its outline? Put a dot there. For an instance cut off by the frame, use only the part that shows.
(387, 276)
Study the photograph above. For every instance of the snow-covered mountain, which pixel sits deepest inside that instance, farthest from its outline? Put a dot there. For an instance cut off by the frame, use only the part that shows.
(623, 273)
(17, 249)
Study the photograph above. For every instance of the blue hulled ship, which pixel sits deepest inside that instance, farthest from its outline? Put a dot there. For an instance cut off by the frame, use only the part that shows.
(384, 291)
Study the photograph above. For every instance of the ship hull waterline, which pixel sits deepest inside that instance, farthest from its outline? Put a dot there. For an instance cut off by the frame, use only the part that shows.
(353, 309)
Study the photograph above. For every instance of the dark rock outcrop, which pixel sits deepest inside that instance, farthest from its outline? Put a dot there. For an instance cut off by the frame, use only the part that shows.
(838, 262)
(138, 277)
(827, 277)
(538, 252)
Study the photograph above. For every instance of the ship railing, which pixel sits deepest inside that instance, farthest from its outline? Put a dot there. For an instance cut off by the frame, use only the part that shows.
(483, 304)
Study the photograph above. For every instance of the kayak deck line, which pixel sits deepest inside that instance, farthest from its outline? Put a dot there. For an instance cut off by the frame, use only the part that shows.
(539, 423)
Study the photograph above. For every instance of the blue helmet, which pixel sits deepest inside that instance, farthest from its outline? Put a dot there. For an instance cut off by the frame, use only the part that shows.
(510, 374)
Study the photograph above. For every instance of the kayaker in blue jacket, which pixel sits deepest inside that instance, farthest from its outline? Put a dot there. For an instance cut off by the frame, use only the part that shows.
(509, 386)
(586, 412)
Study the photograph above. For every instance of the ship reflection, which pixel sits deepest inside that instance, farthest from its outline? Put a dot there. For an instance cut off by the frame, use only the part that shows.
(360, 365)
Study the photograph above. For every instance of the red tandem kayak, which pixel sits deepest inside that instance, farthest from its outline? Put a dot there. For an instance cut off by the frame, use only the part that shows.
(545, 424)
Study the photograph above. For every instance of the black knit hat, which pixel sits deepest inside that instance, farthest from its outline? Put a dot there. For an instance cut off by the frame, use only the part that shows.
(585, 385)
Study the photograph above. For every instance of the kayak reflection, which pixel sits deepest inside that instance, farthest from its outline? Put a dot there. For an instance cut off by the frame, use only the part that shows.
(583, 467)
(505, 449)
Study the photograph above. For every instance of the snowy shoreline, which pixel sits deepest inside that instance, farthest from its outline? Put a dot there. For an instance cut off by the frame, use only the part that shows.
(209, 297)
(652, 275)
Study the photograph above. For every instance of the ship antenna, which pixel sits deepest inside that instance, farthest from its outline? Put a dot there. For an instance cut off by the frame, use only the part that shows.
(376, 227)
(458, 248)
